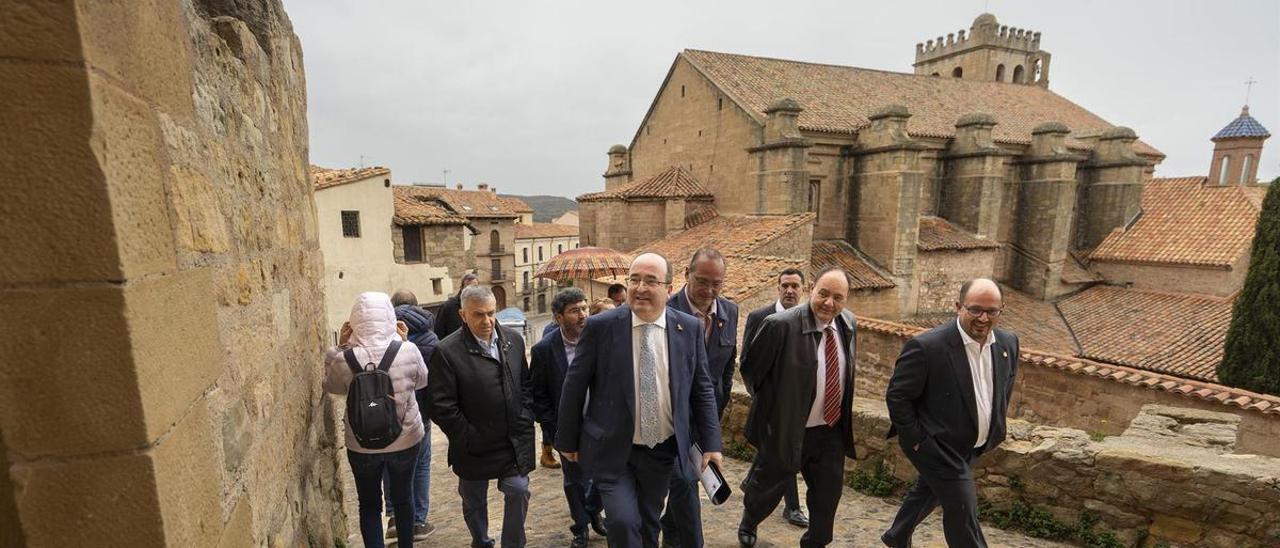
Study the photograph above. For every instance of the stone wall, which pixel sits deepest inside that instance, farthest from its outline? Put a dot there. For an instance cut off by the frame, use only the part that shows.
(939, 273)
(167, 285)
(1177, 279)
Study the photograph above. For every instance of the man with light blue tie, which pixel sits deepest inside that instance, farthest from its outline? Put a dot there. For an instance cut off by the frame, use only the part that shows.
(645, 367)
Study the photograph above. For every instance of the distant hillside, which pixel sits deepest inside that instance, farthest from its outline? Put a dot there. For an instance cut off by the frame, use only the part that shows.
(546, 208)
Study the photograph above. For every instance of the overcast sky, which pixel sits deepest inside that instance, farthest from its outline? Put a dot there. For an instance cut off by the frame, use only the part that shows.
(528, 96)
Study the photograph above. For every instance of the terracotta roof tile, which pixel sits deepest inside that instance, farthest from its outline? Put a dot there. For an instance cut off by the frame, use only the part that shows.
(414, 209)
(840, 253)
(731, 234)
(747, 275)
(1189, 388)
(1186, 222)
(838, 99)
(1181, 335)
(470, 203)
(1037, 323)
(1074, 272)
(545, 230)
(322, 177)
(937, 234)
(674, 182)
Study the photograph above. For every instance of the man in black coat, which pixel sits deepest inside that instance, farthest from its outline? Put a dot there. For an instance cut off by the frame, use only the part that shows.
(551, 358)
(799, 370)
(481, 401)
(947, 401)
(450, 319)
(790, 291)
(718, 316)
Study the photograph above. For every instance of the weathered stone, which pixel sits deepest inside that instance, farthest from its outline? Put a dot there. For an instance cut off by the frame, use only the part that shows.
(1176, 530)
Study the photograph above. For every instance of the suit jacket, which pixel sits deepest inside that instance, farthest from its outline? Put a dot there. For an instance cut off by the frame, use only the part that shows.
(547, 368)
(482, 405)
(754, 319)
(780, 369)
(602, 433)
(721, 346)
(931, 400)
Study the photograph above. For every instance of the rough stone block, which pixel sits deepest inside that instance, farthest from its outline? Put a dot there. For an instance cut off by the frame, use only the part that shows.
(91, 404)
(188, 481)
(239, 529)
(39, 30)
(107, 501)
(173, 322)
(146, 45)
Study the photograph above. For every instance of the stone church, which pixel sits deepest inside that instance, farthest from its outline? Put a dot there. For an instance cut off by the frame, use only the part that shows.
(969, 166)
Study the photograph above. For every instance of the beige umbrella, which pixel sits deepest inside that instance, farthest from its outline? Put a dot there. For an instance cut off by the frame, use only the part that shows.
(585, 263)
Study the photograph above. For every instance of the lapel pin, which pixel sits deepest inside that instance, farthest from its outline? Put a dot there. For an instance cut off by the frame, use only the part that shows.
(679, 327)
(1004, 354)
(721, 323)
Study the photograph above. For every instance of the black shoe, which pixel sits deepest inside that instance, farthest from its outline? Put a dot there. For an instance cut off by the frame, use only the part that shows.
(746, 539)
(888, 541)
(579, 540)
(597, 525)
(796, 517)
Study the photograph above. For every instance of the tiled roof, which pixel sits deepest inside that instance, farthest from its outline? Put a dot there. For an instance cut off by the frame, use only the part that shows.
(1037, 323)
(1180, 335)
(1073, 272)
(1208, 391)
(674, 182)
(415, 209)
(516, 204)
(838, 99)
(545, 230)
(731, 234)
(936, 234)
(841, 254)
(1243, 126)
(747, 275)
(471, 203)
(323, 177)
(1186, 222)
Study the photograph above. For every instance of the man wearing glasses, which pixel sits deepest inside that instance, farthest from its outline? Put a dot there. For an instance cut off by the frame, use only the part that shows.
(645, 366)
(704, 279)
(947, 402)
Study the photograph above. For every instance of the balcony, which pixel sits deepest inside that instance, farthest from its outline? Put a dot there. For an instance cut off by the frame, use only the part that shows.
(493, 250)
(495, 276)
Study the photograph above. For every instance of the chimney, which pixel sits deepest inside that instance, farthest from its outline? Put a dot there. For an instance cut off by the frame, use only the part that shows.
(618, 172)
(459, 186)
(482, 186)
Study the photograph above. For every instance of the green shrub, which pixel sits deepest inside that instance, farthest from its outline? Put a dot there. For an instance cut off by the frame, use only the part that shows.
(876, 482)
(1251, 358)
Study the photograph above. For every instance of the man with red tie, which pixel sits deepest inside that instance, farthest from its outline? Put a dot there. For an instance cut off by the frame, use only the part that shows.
(799, 370)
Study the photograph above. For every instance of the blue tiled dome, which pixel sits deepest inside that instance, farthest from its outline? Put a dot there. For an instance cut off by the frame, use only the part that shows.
(1244, 126)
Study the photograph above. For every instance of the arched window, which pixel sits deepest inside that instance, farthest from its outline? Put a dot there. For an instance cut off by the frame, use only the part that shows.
(1222, 173)
(1017, 74)
(495, 241)
(957, 72)
(1000, 72)
(935, 75)
(1244, 170)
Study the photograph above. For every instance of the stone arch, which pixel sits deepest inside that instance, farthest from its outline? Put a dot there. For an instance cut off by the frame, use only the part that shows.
(1000, 72)
(500, 295)
(957, 72)
(1018, 76)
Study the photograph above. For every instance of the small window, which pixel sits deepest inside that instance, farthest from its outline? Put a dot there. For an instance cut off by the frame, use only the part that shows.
(524, 252)
(1244, 170)
(1000, 73)
(720, 103)
(1018, 74)
(542, 303)
(815, 194)
(437, 286)
(351, 224)
(957, 72)
(682, 91)
(412, 243)
(524, 277)
(526, 304)
(1222, 173)
(539, 253)
(559, 249)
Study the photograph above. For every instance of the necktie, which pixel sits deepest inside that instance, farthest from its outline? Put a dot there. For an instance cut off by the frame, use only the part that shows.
(648, 389)
(833, 391)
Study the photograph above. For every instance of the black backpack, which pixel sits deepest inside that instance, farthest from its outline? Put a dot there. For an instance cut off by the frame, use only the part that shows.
(371, 404)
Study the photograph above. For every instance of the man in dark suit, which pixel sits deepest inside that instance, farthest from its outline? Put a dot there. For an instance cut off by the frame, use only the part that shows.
(450, 317)
(551, 358)
(645, 366)
(947, 401)
(790, 290)
(799, 370)
(718, 316)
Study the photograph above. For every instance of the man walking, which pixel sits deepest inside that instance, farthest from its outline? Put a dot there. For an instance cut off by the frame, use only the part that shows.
(790, 289)
(551, 358)
(450, 320)
(800, 371)
(718, 317)
(645, 366)
(480, 400)
(947, 401)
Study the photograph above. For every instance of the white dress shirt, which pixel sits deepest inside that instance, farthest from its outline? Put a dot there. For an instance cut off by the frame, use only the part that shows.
(979, 356)
(666, 422)
(817, 413)
(777, 306)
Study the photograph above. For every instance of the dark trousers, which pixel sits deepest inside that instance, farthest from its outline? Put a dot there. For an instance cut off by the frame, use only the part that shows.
(821, 464)
(959, 501)
(367, 468)
(682, 521)
(633, 499)
(475, 510)
(583, 498)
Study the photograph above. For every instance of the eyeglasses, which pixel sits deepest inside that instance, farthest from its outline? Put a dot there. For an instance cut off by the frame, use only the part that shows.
(647, 282)
(978, 311)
